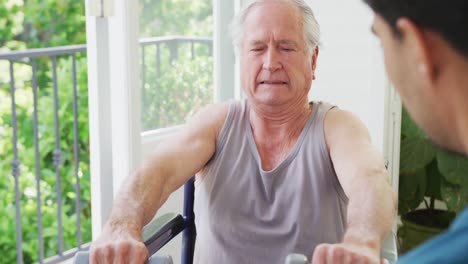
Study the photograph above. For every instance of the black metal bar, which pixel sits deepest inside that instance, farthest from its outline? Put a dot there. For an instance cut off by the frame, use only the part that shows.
(57, 157)
(44, 52)
(76, 154)
(73, 49)
(160, 231)
(38, 164)
(189, 234)
(155, 40)
(15, 169)
(27, 57)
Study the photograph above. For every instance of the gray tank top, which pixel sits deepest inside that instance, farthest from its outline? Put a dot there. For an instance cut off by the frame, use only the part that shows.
(244, 214)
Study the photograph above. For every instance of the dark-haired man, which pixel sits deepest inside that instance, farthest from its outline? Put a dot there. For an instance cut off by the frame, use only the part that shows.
(425, 43)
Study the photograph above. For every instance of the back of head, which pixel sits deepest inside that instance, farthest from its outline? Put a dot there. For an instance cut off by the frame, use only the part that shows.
(449, 18)
(311, 26)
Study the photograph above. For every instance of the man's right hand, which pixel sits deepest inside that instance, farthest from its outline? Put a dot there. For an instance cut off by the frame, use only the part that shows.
(118, 247)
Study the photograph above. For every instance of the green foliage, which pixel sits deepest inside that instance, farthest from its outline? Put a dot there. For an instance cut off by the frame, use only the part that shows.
(182, 89)
(38, 23)
(34, 24)
(26, 155)
(171, 94)
(9, 25)
(176, 17)
(181, 86)
(429, 172)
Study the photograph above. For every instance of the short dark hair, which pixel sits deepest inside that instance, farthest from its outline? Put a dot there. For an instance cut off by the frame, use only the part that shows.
(446, 17)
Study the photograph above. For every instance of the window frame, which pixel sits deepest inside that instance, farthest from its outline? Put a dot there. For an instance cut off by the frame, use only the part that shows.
(116, 141)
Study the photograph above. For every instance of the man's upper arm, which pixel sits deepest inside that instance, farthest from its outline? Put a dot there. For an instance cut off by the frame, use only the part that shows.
(352, 153)
(185, 153)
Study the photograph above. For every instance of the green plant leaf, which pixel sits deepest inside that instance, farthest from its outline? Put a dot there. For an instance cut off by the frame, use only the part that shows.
(415, 154)
(453, 167)
(455, 196)
(412, 187)
(434, 178)
(408, 127)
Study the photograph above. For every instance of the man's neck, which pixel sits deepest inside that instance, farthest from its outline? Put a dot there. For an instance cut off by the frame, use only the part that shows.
(463, 125)
(276, 132)
(273, 122)
(459, 99)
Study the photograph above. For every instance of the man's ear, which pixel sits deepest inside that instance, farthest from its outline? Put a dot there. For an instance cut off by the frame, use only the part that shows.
(419, 48)
(313, 61)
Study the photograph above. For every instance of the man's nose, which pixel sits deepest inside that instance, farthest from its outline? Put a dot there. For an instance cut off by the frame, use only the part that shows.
(271, 60)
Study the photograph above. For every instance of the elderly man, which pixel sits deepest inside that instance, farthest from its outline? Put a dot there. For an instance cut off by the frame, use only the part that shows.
(276, 174)
(425, 43)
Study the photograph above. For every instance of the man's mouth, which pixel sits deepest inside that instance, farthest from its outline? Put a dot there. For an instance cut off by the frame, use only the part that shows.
(274, 82)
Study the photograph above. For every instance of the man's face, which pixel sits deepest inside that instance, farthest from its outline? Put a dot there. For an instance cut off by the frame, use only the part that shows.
(407, 73)
(275, 67)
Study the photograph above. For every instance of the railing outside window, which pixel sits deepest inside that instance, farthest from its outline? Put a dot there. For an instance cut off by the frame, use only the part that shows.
(45, 143)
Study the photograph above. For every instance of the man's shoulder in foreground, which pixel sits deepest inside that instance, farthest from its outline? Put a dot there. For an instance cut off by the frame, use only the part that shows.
(449, 248)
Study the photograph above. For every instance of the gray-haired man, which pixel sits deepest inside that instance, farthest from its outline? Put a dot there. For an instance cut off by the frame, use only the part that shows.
(276, 173)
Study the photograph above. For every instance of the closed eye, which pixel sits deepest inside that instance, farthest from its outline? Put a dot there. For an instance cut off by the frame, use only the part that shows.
(256, 49)
(287, 48)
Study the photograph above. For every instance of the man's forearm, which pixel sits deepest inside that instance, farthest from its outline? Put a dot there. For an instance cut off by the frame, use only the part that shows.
(371, 210)
(139, 198)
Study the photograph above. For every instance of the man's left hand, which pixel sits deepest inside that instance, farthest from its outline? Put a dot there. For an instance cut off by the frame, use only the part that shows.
(345, 253)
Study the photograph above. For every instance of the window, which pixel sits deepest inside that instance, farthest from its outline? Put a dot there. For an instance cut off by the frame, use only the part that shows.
(176, 60)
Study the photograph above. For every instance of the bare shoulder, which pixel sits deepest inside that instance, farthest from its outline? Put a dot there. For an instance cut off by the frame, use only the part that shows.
(188, 150)
(341, 118)
(210, 118)
(341, 126)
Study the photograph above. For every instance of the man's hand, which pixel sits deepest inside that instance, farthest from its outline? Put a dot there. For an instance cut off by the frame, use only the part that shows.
(345, 253)
(118, 247)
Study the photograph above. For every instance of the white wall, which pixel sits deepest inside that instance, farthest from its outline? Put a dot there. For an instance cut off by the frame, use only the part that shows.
(350, 71)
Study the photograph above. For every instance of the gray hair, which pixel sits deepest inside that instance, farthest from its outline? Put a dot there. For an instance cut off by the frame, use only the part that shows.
(310, 24)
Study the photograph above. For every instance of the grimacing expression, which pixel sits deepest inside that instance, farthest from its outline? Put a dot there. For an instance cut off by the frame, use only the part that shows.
(275, 67)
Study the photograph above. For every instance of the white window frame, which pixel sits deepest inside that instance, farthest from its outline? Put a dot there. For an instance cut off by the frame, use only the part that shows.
(114, 107)
(116, 141)
(224, 73)
(392, 133)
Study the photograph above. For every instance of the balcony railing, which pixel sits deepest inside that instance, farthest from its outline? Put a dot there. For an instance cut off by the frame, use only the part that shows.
(58, 57)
